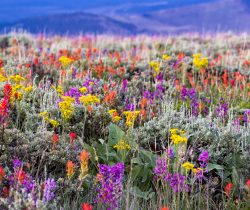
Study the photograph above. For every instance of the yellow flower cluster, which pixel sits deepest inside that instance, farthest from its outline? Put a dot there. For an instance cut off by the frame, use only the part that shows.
(83, 89)
(115, 117)
(130, 117)
(155, 65)
(46, 118)
(188, 166)
(59, 90)
(200, 62)
(89, 99)
(66, 107)
(166, 57)
(54, 123)
(122, 145)
(197, 170)
(16, 78)
(2, 78)
(65, 61)
(176, 136)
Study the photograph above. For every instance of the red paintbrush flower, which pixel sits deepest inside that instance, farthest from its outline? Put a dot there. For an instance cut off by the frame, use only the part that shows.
(87, 206)
(2, 173)
(228, 188)
(72, 136)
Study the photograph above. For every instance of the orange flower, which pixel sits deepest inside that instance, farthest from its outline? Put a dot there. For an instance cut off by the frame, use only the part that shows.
(20, 176)
(84, 158)
(70, 169)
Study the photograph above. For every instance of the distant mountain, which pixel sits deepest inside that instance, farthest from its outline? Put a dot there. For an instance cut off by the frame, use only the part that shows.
(130, 16)
(72, 24)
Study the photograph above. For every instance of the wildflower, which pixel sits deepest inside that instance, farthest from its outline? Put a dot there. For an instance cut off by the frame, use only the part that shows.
(72, 136)
(177, 139)
(110, 189)
(160, 169)
(89, 99)
(87, 206)
(131, 117)
(198, 173)
(200, 62)
(28, 89)
(59, 90)
(166, 57)
(49, 190)
(54, 123)
(115, 117)
(228, 188)
(177, 182)
(122, 145)
(2, 173)
(17, 163)
(70, 168)
(65, 61)
(203, 158)
(66, 107)
(16, 78)
(248, 185)
(2, 78)
(188, 166)
(55, 140)
(170, 153)
(20, 176)
(83, 90)
(45, 115)
(155, 65)
(165, 208)
(84, 158)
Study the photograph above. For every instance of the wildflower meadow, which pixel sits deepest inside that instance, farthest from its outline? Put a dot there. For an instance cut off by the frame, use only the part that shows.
(125, 122)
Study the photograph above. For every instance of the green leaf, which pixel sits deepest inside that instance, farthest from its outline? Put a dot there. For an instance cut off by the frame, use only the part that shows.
(212, 166)
(115, 134)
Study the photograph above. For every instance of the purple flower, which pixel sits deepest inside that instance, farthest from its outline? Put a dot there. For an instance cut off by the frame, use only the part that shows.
(124, 85)
(130, 107)
(74, 93)
(49, 190)
(17, 163)
(160, 169)
(73, 73)
(203, 158)
(170, 153)
(177, 182)
(110, 189)
(28, 184)
(222, 109)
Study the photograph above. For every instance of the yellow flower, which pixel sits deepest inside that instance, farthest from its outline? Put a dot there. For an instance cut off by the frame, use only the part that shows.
(111, 111)
(66, 107)
(196, 170)
(130, 117)
(116, 118)
(65, 61)
(59, 90)
(89, 99)
(155, 65)
(174, 131)
(16, 78)
(200, 62)
(2, 78)
(45, 115)
(54, 123)
(188, 166)
(83, 90)
(166, 57)
(122, 145)
(28, 89)
(176, 136)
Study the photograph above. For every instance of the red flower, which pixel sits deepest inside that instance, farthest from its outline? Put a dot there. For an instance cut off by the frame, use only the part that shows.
(72, 136)
(55, 140)
(165, 208)
(248, 184)
(1, 173)
(6, 192)
(21, 176)
(228, 188)
(87, 206)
